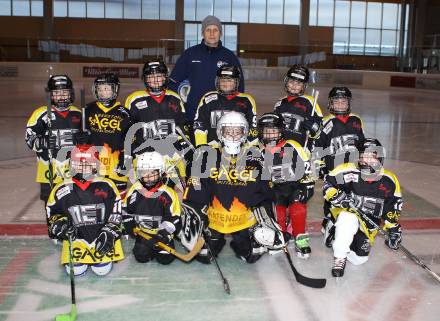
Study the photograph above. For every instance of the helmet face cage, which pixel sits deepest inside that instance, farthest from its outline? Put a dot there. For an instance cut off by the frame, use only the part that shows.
(270, 129)
(371, 157)
(227, 80)
(232, 131)
(150, 168)
(106, 89)
(339, 102)
(295, 77)
(155, 76)
(84, 162)
(61, 92)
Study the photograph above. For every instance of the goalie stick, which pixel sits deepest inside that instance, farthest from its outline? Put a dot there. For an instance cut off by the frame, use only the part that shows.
(264, 219)
(382, 232)
(186, 257)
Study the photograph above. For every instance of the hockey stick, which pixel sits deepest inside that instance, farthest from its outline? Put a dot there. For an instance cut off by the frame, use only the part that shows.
(184, 257)
(312, 283)
(72, 315)
(214, 259)
(49, 130)
(83, 110)
(382, 232)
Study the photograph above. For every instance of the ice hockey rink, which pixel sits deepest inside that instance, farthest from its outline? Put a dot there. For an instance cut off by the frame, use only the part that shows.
(390, 287)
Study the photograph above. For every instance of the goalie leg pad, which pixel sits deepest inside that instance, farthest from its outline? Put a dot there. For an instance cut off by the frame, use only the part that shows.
(102, 269)
(143, 250)
(79, 269)
(245, 247)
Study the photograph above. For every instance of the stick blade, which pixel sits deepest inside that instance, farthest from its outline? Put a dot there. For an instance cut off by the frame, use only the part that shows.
(312, 283)
(69, 316)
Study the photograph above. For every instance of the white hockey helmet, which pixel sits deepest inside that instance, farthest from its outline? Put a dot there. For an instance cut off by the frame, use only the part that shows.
(232, 131)
(150, 168)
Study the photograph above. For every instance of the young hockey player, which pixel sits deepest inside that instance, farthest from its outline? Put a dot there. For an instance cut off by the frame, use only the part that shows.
(342, 131)
(289, 166)
(363, 188)
(153, 207)
(45, 137)
(86, 208)
(160, 111)
(300, 120)
(216, 103)
(108, 122)
(232, 194)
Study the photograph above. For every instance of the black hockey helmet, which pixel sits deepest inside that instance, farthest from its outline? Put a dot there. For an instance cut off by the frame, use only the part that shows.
(57, 86)
(339, 92)
(298, 73)
(371, 156)
(274, 132)
(227, 72)
(152, 69)
(111, 80)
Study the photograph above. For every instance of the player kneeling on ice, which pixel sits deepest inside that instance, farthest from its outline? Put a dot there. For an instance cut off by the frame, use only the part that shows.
(289, 168)
(360, 195)
(152, 207)
(229, 195)
(86, 209)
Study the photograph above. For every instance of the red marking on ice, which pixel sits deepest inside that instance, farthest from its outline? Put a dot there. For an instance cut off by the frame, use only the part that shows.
(370, 296)
(23, 229)
(12, 271)
(407, 303)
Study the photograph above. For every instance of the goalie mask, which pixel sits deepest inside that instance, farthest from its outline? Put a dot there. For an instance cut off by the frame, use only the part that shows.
(296, 80)
(150, 169)
(270, 129)
(371, 157)
(106, 89)
(155, 76)
(84, 162)
(227, 80)
(232, 132)
(61, 92)
(339, 101)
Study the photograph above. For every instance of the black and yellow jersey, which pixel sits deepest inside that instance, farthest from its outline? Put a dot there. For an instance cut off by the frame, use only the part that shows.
(287, 162)
(88, 206)
(159, 114)
(63, 126)
(151, 208)
(230, 187)
(108, 127)
(294, 111)
(339, 136)
(214, 105)
(379, 199)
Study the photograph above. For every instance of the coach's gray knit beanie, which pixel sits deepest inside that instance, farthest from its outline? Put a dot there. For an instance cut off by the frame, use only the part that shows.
(211, 20)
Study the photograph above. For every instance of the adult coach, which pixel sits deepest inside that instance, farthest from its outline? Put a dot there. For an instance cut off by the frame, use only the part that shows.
(199, 64)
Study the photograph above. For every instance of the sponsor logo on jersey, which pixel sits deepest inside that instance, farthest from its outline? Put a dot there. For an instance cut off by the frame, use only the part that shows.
(241, 104)
(75, 119)
(81, 254)
(221, 63)
(141, 104)
(210, 98)
(63, 191)
(245, 175)
(101, 193)
(172, 106)
(300, 106)
(384, 189)
(163, 200)
(356, 125)
(351, 177)
(327, 129)
(105, 123)
(196, 61)
(132, 198)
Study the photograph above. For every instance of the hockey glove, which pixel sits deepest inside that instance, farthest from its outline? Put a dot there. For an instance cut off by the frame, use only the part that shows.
(341, 200)
(312, 126)
(164, 236)
(59, 229)
(394, 237)
(106, 239)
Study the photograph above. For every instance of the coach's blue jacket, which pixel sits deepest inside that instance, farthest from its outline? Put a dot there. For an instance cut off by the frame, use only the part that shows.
(198, 65)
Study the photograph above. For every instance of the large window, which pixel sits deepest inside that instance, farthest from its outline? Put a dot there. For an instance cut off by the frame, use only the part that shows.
(360, 27)
(21, 8)
(116, 9)
(193, 35)
(245, 11)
